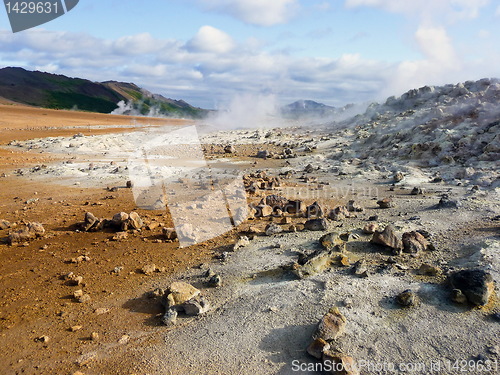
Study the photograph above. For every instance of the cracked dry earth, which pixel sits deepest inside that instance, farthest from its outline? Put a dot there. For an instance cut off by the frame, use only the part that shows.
(262, 317)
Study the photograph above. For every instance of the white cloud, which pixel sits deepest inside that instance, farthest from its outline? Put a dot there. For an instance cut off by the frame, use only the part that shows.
(210, 39)
(427, 10)
(497, 13)
(255, 12)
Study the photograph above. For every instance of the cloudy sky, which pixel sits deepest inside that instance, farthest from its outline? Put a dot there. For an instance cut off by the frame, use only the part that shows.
(209, 51)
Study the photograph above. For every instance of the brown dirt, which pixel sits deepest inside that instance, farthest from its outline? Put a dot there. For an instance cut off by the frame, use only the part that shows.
(35, 300)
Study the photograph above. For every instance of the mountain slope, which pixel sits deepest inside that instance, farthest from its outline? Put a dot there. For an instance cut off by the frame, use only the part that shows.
(58, 91)
(306, 108)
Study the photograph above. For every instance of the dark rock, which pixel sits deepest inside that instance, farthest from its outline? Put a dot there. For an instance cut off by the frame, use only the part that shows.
(314, 210)
(215, 281)
(339, 213)
(417, 191)
(477, 285)
(294, 207)
(169, 233)
(387, 238)
(414, 243)
(309, 168)
(352, 206)
(447, 202)
(385, 203)
(263, 154)
(406, 298)
(373, 218)
(229, 149)
(276, 201)
(316, 224)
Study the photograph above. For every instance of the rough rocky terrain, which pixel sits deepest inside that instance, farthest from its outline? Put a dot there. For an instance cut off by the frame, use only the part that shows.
(367, 220)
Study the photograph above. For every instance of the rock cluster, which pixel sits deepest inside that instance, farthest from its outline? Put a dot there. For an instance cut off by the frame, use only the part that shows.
(28, 232)
(183, 297)
(324, 346)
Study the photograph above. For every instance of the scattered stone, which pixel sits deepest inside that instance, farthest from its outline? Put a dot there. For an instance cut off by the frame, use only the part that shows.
(332, 241)
(129, 184)
(4, 224)
(477, 285)
(496, 316)
(339, 363)
(373, 218)
(414, 243)
(316, 225)
(428, 270)
(370, 228)
(75, 328)
(276, 201)
(352, 206)
(286, 220)
(317, 348)
(263, 154)
(179, 292)
(272, 229)
(458, 297)
(242, 242)
(101, 310)
(30, 231)
(195, 306)
(339, 213)
(169, 233)
(81, 297)
(149, 269)
(331, 326)
(119, 219)
(215, 281)
(309, 168)
(185, 232)
(447, 202)
(360, 269)
(44, 339)
(263, 210)
(120, 236)
(398, 176)
(94, 336)
(90, 223)
(80, 259)
(295, 207)
(135, 221)
(387, 238)
(229, 149)
(417, 191)
(170, 317)
(385, 203)
(314, 263)
(314, 210)
(406, 298)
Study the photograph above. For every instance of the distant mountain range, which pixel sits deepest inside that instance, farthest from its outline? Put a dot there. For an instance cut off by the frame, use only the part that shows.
(60, 92)
(307, 108)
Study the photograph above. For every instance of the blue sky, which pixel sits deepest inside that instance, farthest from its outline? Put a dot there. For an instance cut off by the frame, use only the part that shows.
(209, 51)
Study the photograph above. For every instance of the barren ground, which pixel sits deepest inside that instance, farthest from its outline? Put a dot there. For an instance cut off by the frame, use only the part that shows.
(262, 317)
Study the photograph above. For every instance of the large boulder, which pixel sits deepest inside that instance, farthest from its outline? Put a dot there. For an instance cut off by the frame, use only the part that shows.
(387, 238)
(331, 326)
(477, 285)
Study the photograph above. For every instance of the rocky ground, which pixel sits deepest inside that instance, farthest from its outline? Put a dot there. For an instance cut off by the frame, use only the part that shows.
(352, 251)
